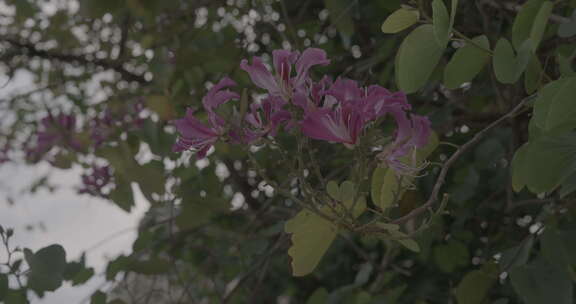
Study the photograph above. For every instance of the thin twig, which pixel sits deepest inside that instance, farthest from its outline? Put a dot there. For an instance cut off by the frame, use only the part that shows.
(442, 176)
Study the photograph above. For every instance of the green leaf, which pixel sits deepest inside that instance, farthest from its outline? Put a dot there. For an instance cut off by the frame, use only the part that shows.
(363, 275)
(533, 76)
(50, 260)
(122, 194)
(451, 256)
(117, 265)
(199, 211)
(454, 8)
(504, 62)
(3, 286)
(83, 276)
(417, 58)
(520, 168)
(347, 192)
(475, 286)
(47, 268)
(554, 108)
(378, 178)
(341, 18)
(539, 283)
(568, 186)
(559, 249)
(466, 63)
(566, 30)
(98, 298)
(565, 65)
(517, 255)
(320, 296)
(16, 296)
(152, 266)
(540, 22)
(311, 237)
(312, 234)
(441, 22)
(507, 66)
(161, 105)
(523, 24)
(550, 160)
(400, 20)
(333, 190)
(405, 240)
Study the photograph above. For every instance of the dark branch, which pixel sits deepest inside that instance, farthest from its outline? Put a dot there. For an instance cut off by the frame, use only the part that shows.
(30, 50)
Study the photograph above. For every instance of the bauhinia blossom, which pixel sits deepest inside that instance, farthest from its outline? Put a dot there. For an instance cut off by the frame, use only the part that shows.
(337, 112)
(282, 83)
(55, 131)
(94, 183)
(265, 118)
(197, 135)
(411, 134)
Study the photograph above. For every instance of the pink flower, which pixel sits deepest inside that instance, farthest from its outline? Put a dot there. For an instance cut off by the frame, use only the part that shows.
(199, 136)
(94, 183)
(282, 83)
(266, 117)
(342, 124)
(340, 113)
(411, 134)
(55, 131)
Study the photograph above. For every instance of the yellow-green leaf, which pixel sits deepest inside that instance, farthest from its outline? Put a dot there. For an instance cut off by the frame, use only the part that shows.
(311, 237)
(476, 284)
(400, 20)
(467, 62)
(417, 58)
(161, 105)
(441, 22)
(524, 21)
(540, 23)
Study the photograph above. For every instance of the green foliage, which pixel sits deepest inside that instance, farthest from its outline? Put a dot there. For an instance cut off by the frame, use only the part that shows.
(341, 18)
(475, 286)
(539, 283)
(400, 20)
(524, 22)
(509, 66)
(554, 109)
(312, 235)
(441, 22)
(467, 62)
(47, 267)
(163, 55)
(417, 58)
(312, 230)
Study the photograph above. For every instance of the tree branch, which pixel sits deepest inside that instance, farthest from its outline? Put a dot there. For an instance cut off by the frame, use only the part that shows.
(30, 50)
(446, 167)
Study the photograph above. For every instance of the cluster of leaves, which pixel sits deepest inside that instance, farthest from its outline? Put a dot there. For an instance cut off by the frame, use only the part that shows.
(501, 234)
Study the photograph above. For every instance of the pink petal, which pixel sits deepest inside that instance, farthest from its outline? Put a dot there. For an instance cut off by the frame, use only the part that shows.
(260, 75)
(310, 57)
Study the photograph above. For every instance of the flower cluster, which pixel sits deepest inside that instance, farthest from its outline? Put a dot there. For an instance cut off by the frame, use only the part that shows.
(95, 182)
(334, 111)
(109, 121)
(54, 131)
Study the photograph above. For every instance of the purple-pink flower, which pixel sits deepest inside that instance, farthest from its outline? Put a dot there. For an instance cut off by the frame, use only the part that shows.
(338, 111)
(55, 131)
(197, 135)
(95, 182)
(265, 118)
(411, 134)
(282, 83)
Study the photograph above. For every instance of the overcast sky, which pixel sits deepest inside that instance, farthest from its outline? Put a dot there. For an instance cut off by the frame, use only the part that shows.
(77, 222)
